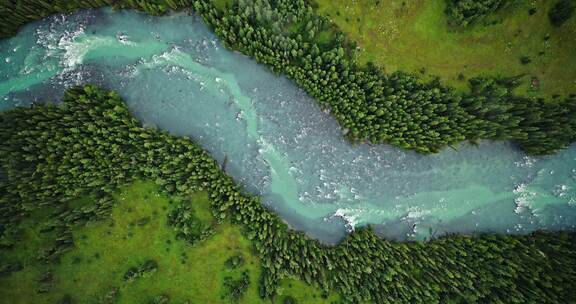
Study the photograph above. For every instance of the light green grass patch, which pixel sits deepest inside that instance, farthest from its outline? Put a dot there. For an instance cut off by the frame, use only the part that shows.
(413, 36)
(138, 231)
(303, 293)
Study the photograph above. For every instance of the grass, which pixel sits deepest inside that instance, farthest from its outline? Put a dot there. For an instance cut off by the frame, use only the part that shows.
(413, 36)
(137, 231)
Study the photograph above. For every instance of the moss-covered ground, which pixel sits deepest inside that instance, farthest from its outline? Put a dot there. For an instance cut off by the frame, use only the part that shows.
(413, 36)
(136, 231)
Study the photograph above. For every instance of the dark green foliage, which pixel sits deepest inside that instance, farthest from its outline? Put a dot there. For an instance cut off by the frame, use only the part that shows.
(234, 262)
(561, 12)
(235, 288)
(67, 299)
(63, 152)
(15, 13)
(187, 225)
(466, 12)
(369, 105)
(45, 148)
(143, 270)
(398, 108)
(289, 300)
(525, 60)
(45, 282)
(8, 268)
(131, 274)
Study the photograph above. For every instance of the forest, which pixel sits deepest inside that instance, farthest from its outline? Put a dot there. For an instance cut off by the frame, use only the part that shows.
(370, 105)
(53, 154)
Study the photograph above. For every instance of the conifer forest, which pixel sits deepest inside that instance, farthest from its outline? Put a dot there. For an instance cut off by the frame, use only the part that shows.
(105, 198)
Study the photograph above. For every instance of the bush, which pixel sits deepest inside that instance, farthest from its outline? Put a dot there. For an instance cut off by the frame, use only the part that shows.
(235, 289)
(145, 269)
(525, 60)
(234, 262)
(466, 12)
(187, 225)
(561, 12)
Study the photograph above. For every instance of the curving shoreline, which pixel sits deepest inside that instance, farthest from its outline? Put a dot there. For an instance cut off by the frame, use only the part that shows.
(398, 109)
(537, 267)
(278, 143)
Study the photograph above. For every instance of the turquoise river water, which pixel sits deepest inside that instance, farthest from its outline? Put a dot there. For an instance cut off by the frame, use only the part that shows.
(175, 75)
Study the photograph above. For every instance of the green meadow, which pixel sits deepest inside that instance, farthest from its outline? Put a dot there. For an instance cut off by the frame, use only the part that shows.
(413, 36)
(140, 245)
(137, 231)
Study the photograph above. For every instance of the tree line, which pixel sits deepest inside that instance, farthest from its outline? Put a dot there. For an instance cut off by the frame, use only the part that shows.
(370, 106)
(90, 144)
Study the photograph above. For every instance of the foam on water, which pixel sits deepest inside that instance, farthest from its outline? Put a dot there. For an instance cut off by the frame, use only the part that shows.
(278, 142)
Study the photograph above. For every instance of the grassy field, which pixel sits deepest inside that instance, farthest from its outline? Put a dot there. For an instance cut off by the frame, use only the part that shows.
(413, 36)
(138, 231)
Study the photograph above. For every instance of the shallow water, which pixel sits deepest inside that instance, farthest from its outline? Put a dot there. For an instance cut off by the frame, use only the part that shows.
(175, 75)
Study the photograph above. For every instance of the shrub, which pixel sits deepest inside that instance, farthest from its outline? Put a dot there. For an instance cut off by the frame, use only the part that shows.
(234, 262)
(466, 12)
(235, 289)
(187, 225)
(561, 12)
(145, 269)
(525, 60)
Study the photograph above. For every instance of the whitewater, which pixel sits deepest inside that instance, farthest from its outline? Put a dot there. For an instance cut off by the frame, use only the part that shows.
(176, 76)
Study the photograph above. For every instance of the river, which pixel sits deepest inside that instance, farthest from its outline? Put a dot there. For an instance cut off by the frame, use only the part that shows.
(176, 76)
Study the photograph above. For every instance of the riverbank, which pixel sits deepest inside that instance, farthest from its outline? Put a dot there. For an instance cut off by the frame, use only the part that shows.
(360, 268)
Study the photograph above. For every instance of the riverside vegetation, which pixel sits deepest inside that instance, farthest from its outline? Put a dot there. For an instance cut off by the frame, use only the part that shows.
(424, 38)
(133, 255)
(370, 105)
(52, 155)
